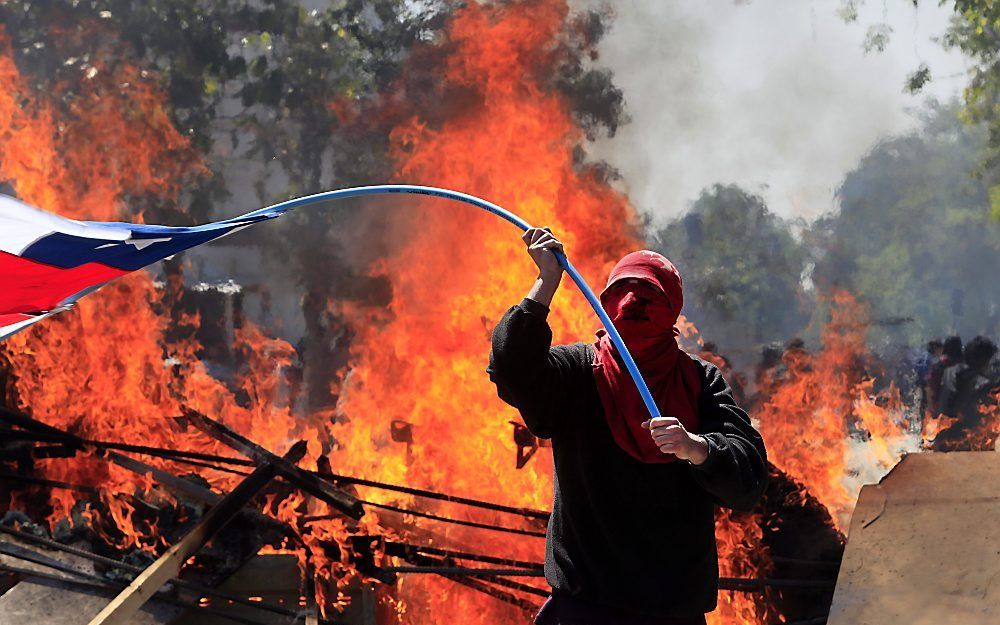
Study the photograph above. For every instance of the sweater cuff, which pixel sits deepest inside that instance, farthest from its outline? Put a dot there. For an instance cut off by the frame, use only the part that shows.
(713, 458)
(535, 308)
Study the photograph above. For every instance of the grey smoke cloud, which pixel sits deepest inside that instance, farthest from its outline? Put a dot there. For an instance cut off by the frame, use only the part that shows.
(778, 97)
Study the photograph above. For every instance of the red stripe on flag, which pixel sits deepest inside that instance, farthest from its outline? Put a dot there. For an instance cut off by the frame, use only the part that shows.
(9, 320)
(29, 286)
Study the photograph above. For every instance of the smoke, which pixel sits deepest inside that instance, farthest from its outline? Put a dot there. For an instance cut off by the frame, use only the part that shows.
(779, 98)
(862, 466)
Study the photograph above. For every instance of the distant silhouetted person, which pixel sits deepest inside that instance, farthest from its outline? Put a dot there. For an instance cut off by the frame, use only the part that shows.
(952, 349)
(951, 355)
(964, 386)
(765, 373)
(795, 344)
(935, 349)
(710, 352)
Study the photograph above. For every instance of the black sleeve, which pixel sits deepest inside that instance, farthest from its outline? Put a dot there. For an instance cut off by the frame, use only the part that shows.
(946, 404)
(735, 473)
(529, 374)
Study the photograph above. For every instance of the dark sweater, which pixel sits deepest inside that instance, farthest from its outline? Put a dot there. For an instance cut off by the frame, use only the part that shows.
(625, 534)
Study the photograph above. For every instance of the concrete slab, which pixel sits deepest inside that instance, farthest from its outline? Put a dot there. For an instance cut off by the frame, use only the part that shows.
(924, 545)
(35, 601)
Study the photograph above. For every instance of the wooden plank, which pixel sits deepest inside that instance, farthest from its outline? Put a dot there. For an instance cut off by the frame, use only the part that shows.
(164, 478)
(192, 490)
(476, 584)
(121, 609)
(321, 489)
(25, 422)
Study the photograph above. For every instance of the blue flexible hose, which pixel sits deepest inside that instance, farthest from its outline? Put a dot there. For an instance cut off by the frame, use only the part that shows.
(382, 189)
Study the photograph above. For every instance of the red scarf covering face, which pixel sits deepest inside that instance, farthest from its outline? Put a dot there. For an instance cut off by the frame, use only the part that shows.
(645, 310)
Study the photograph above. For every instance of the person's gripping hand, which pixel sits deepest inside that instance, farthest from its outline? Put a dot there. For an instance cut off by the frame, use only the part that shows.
(671, 437)
(540, 241)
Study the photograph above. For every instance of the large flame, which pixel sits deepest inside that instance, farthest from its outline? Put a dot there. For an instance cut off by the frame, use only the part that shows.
(107, 370)
(817, 400)
(423, 360)
(65, 378)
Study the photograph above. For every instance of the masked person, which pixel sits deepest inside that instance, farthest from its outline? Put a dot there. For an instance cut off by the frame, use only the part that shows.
(631, 538)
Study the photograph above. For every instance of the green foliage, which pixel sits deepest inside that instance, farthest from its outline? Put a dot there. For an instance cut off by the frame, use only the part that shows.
(911, 238)
(741, 266)
(848, 11)
(916, 81)
(253, 83)
(877, 37)
(975, 31)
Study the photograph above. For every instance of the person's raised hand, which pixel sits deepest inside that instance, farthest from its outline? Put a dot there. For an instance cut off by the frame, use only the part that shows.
(671, 437)
(541, 242)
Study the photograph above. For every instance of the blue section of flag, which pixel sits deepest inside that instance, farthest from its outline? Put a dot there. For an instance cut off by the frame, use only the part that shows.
(64, 250)
(146, 245)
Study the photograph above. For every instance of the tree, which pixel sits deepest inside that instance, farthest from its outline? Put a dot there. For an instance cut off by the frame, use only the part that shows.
(976, 32)
(911, 238)
(741, 266)
(259, 85)
(269, 94)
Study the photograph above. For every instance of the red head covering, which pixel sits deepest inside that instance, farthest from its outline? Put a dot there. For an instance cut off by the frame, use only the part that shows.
(644, 311)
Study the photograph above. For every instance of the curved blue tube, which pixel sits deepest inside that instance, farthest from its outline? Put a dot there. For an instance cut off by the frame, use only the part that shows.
(616, 338)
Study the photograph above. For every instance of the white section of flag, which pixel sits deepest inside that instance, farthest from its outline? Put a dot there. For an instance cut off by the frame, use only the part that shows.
(21, 225)
(14, 328)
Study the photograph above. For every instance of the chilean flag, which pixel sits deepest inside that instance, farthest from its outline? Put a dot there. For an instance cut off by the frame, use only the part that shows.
(48, 262)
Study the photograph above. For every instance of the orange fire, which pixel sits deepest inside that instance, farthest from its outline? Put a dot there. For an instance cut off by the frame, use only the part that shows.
(986, 434)
(933, 426)
(813, 405)
(81, 167)
(741, 544)
(423, 360)
(108, 371)
(982, 435)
